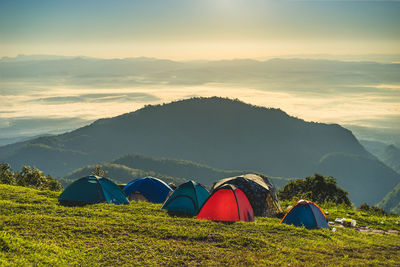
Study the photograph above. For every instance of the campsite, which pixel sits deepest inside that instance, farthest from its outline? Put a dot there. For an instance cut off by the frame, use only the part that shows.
(36, 230)
(199, 133)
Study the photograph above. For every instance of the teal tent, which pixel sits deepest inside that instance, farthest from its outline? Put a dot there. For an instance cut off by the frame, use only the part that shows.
(92, 189)
(188, 197)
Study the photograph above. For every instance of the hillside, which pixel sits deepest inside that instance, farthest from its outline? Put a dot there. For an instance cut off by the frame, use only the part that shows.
(178, 168)
(129, 167)
(391, 202)
(388, 154)
(186, 169)
(374, 147)
(34, 229)
(221, 133)
(370, 188)
(120, 174)
(391, 157)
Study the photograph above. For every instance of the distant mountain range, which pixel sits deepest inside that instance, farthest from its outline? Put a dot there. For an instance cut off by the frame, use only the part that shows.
(145, 71)
(221, 133)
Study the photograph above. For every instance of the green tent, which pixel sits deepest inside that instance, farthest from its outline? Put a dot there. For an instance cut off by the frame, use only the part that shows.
(92, 189)
(188, 197)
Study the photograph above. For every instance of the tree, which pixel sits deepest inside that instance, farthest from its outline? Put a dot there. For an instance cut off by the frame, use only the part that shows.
(33, 177)
(6, 174)
(98, 171)
(316, 188)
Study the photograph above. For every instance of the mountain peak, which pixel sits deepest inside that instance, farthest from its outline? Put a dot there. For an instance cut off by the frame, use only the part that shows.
(210, 107)
(219, 132)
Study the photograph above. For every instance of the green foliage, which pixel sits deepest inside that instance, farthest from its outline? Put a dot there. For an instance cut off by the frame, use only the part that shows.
(98, 171)
(6, 174)
(318, 188)
(35, 230)
(28, 177)
(373, 209)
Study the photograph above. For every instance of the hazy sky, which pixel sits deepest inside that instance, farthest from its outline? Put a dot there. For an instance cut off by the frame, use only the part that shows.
(198, 29)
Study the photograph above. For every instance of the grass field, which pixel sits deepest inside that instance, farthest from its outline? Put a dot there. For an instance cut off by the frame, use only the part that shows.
(35, 230)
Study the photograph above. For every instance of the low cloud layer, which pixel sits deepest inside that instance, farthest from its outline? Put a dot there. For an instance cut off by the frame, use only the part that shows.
(98, 98)
(365, 95)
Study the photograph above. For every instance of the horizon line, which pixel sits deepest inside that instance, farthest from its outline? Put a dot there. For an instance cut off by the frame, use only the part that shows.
(317, 56)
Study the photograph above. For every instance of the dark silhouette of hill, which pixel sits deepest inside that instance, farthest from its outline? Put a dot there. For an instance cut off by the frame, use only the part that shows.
(222, 133)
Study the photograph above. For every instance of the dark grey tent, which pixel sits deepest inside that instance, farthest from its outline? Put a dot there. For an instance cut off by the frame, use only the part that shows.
(259, 191)
(92, 189)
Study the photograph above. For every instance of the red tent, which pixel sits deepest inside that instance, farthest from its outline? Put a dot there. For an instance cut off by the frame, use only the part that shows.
(227, 203)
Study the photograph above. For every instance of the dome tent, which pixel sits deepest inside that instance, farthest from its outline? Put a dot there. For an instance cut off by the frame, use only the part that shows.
(259, 191)
(306, 213)
(227, 203)
(188, 197)
(149, 189)
(92, 189)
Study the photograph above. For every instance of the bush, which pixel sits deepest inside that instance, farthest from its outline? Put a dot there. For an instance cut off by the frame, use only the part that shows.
(6, 174)
(318, 188)
(28, 177)
(372, 209)
(33, 177)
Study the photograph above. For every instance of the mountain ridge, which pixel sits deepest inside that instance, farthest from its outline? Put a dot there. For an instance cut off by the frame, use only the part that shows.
(219, 132)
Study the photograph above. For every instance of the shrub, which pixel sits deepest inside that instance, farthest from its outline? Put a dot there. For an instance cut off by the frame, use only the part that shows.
(317, 188)
(6, 174)
(98, 171)
(372, 209)
(33, 177)
(29, 177)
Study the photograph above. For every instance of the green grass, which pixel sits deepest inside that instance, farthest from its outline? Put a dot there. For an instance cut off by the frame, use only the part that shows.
(35, 230)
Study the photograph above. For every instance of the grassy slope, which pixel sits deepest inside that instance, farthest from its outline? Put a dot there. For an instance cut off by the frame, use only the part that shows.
(34, 229)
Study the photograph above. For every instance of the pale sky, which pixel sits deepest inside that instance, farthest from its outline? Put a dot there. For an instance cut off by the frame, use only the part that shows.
(198, 29)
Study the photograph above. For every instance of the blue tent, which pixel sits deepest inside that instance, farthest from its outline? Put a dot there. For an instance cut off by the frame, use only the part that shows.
(188, 197)
(307, 214)
(92, 189)
(152, 189)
